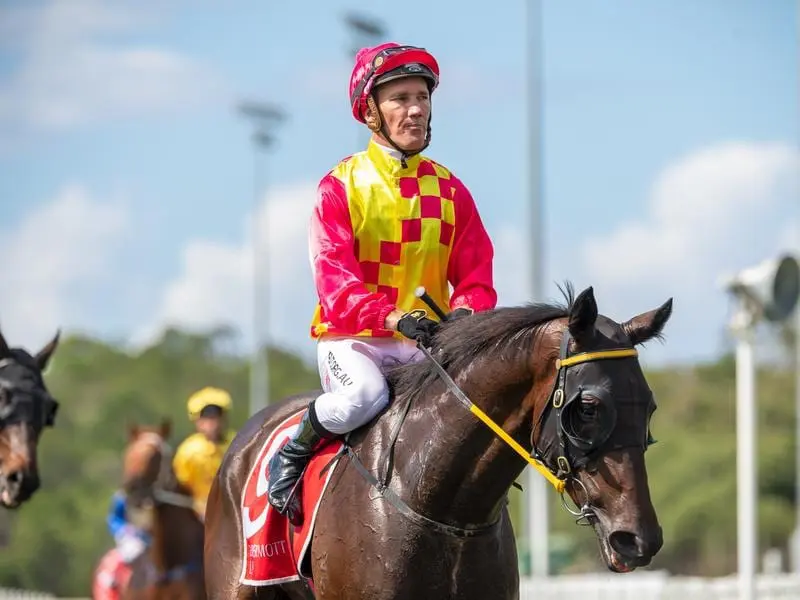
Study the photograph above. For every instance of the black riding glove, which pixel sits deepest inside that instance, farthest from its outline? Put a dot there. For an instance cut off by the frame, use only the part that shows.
(458, 313)
(416, 326)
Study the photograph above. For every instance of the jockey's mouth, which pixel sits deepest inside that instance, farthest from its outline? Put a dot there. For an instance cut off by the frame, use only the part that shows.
(415, 127)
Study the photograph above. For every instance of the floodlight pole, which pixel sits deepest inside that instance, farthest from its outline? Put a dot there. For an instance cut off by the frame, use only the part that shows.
(265, 117)
(364, 31)
(535, 509)
(742, 326)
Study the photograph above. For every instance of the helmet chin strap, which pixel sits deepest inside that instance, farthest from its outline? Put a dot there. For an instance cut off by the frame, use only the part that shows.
(378, 125)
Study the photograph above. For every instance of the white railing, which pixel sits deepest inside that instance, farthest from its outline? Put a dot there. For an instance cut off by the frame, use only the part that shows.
(600, 586)
(655, 586)
(15, 594)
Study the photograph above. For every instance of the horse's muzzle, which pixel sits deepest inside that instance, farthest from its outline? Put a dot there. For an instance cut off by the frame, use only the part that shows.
(633, 546)
(632, 550)
(17, 487)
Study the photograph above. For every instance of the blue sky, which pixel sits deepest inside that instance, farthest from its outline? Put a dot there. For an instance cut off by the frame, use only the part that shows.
(126, 178)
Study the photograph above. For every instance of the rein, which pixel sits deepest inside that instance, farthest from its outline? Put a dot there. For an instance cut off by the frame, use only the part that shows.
(565, 471)
(556, 399)
(558, 479)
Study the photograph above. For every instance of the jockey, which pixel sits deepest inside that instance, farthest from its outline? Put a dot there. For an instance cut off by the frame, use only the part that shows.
(386, 221)
(198, 457)
(131, 541)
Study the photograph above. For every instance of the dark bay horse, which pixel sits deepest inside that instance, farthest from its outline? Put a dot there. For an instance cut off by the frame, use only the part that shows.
(156, 502)
(564, 382)
(26, 408)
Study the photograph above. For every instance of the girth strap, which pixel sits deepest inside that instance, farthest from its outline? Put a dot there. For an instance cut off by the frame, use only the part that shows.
(409, 512)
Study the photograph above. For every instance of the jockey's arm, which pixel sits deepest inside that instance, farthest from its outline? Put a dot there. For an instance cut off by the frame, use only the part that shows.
(183, 466)
(116, 518)
(470, 266)
(337, 275)
(187, 471)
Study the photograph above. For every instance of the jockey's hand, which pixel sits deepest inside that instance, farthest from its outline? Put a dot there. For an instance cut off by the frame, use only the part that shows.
(458, 313)
(416, 326)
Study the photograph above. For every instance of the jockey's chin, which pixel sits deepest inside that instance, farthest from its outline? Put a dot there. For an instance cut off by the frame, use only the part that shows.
(411, 138)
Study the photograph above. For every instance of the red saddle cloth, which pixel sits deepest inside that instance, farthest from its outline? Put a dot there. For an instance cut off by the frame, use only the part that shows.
(110, 577)
(273, 554)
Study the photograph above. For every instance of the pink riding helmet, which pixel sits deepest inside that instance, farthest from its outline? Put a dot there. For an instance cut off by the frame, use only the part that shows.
(387, 62)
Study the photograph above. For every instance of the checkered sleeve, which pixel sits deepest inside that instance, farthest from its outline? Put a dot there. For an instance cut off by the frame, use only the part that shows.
(470, 266)
(346, 302)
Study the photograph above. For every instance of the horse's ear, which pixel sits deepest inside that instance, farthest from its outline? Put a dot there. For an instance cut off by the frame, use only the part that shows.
(583, 314)
(133, 430)
(646, 326)
(43, 356)
(166, 427)
(4, 349)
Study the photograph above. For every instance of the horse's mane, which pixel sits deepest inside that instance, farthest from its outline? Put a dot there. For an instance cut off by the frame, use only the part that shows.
(497, 332)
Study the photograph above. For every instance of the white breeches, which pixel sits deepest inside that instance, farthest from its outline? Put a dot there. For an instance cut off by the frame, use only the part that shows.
(352, 373)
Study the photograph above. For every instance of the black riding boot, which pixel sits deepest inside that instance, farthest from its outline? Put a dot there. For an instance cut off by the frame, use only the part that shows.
(287, 465)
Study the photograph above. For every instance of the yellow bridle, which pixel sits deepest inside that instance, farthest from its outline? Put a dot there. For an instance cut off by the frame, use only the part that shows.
(556, 482)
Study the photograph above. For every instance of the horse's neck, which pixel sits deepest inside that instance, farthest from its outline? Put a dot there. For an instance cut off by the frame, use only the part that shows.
(178, 531)
(450, 464)
(177, 535)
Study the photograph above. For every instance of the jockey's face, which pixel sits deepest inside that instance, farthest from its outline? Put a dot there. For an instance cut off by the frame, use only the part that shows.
(405, 106)
(212, 427)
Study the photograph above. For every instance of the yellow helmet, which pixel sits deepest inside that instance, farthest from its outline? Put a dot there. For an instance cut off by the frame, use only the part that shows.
(208, 396)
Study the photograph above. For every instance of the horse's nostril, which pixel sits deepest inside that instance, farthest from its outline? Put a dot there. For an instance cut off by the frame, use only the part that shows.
(14, 478)
(626, 544)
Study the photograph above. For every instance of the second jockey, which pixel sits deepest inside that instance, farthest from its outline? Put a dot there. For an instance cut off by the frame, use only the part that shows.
(386, 220)
(198, 457)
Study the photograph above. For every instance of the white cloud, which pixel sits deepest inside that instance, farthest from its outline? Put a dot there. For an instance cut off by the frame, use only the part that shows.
(713, 212)
(216, 282)
(78, 67)
(58, 251)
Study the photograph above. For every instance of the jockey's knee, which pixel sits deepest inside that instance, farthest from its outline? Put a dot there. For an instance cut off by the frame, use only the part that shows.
(351, 408)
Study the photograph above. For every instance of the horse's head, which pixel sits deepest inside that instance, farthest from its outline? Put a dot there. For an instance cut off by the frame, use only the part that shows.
(592, 425)
(26, 408)
(146, 464)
